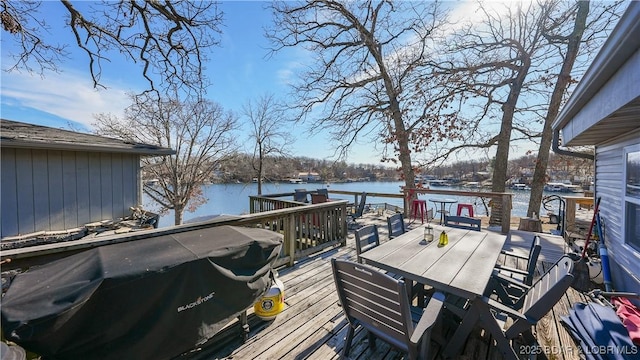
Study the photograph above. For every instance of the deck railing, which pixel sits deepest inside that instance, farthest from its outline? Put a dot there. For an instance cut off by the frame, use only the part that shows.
(306, 229)
(500, 203)
(501, 209)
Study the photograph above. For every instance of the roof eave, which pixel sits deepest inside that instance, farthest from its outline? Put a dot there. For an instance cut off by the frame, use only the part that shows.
(621, 44)
(159, 151)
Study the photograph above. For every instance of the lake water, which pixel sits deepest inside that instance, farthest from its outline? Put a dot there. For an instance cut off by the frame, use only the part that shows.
(233, 199)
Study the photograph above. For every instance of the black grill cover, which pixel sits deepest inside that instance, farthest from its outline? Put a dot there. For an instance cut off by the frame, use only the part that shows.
(153, 298)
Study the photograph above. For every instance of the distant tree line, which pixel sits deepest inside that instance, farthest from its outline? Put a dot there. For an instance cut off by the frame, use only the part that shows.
(279, 168)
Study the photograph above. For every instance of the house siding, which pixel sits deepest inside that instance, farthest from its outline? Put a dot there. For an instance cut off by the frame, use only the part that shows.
(46, 190)
(625, 267)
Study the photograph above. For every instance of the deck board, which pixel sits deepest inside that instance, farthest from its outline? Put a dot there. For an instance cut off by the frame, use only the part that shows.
(312, 326)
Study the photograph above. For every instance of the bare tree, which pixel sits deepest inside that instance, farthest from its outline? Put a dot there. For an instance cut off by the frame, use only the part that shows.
(572, 42)
(517, 48)
(365, 82)
(492, 60)
(268, 132)
(200, 132)
(170, 39)
(568, 46)
(496, 61)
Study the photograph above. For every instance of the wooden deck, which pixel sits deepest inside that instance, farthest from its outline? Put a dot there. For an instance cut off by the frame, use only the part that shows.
(312, 326)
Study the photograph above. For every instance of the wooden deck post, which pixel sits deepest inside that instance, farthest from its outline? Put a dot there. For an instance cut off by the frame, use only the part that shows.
(405, 202)
(506, 213)
(290, 237)
(343, 210)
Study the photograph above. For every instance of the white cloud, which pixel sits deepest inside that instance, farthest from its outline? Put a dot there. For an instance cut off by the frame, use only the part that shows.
(67, 95)
(286, 76)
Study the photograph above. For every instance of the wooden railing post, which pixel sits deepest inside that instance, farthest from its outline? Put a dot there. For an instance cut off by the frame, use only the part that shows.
(405, 202)
(506, 213)
(343, 216)
(290, 237)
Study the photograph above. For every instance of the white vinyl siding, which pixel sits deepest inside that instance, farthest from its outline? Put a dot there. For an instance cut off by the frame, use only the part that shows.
(55, 190)
(610, 185)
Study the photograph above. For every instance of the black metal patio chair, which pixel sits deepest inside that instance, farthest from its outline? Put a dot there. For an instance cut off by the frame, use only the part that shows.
(323, 191)
(300, 195)
(509, 284)
(367, 237)
(537, 301)
(462, 222)
(395, 225)
(380, 304)
(523, 276)
(357, 212)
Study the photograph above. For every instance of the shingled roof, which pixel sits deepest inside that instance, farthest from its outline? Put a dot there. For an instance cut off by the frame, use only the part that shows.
(14, 134)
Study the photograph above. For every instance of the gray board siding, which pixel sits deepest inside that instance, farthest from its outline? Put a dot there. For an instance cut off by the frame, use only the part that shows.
(55, 190)
(625, 264)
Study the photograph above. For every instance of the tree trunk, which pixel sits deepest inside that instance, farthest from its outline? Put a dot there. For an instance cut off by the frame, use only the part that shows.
(177, 212)
(405, 161)
(402, 136)
(542, 161)
(504, 138)
(260, 175)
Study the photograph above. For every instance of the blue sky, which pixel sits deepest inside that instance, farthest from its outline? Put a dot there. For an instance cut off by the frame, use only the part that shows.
(239, 69)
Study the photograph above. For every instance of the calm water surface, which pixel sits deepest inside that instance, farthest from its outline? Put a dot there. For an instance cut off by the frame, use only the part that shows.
(233, 199)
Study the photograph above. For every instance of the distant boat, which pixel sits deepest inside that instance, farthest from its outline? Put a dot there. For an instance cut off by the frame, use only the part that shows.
(562, 187)
(296, 181)
(519, 187)
(438, 183)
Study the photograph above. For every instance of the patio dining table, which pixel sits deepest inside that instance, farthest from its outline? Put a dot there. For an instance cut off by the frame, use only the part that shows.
(461, 268)
(442, 203)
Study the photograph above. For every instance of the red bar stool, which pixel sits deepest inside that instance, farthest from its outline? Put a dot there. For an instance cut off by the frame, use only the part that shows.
(418, 205)
(469, 208)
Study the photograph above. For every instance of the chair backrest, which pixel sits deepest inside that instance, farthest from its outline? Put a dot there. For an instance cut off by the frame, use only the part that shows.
(543, 295)
(366, 238)
(395, 224)
(532, 261)
(375, 300)
(318, 198)
(462, 222)
(300, 195)
(361, 204)
(324, 192)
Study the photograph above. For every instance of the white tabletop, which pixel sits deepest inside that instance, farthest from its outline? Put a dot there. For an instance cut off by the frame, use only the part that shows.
(444, 201)
(462, 268)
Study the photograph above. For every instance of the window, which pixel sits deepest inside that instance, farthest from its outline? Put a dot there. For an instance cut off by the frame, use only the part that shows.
(632, 196)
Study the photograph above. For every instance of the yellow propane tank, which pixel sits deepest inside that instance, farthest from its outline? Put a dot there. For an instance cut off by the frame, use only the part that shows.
(272, 303)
